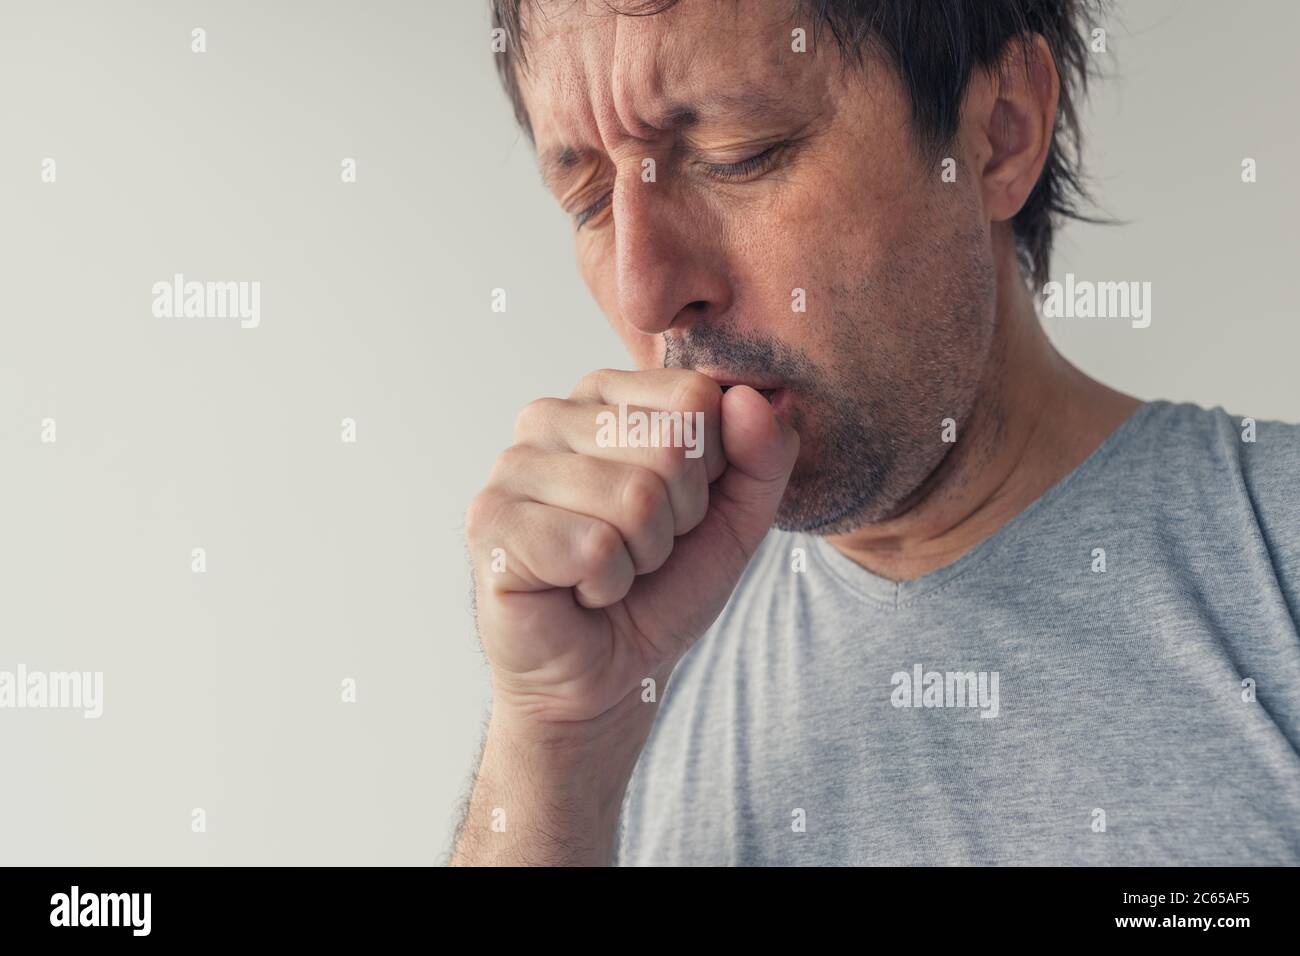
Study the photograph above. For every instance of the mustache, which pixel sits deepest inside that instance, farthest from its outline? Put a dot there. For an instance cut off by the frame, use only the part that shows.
(718, 345)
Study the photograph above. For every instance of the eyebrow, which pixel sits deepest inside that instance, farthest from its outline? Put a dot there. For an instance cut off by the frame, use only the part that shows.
(749, 106)
(556, 163)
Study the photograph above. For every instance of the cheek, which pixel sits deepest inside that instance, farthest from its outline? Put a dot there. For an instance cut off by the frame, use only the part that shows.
(592, 266)
(832, 239)
(598, 274)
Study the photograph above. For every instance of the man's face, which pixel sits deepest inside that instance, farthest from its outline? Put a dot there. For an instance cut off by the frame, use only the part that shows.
(719, 181)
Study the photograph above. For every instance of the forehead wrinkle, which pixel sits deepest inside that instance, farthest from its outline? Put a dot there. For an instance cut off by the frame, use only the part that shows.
(601, 94)
(559, 92)
(654, 65)
(615, 71)
(747, 107)
(636, 74)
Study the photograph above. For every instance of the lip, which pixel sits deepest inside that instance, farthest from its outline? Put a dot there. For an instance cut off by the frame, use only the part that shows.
(768, 393)
(777, 395)
(728, 381)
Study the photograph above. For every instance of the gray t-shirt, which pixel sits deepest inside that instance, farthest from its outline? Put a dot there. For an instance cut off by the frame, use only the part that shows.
(1021, 705)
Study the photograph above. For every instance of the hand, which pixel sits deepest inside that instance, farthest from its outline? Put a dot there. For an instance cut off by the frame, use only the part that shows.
(616, 558)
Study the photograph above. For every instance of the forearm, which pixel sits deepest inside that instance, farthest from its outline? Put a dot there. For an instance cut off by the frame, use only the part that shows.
(550, 796)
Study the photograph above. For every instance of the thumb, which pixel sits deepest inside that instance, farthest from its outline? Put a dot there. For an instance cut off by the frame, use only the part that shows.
(685, 596)
(760, 450)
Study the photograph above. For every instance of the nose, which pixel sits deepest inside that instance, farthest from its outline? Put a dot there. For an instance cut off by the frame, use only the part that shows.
(670, 261)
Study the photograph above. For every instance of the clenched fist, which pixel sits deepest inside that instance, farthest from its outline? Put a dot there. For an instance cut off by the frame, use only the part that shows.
(613, 560)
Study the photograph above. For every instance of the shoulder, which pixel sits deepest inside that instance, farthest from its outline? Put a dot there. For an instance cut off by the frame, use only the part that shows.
(1263, 452)
(1185, 439)
(1225, 464)
(1269, 462)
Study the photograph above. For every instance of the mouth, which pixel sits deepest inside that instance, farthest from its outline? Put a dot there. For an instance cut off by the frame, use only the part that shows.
(767, 393)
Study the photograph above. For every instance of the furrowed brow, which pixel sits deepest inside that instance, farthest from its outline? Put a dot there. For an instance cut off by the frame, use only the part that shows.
(745, 107)
(748, 107)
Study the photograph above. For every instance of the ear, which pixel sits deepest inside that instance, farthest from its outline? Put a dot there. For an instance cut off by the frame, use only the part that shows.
(1008, 118)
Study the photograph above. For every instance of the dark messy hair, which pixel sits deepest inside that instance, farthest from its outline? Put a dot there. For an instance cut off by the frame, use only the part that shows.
(934, 46)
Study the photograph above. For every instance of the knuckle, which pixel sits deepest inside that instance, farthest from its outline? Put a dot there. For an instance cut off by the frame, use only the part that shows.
(643, 501)
(696, 392)
(601, 545)
(510, 461)
(533, 416)
(671, 464)
(592, 382)
(481, 514)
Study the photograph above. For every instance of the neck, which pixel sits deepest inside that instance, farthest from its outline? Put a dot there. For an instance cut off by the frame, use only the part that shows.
(1035, 419)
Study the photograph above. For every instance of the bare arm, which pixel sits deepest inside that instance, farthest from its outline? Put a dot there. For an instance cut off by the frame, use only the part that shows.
(550, 796)
(597, 564)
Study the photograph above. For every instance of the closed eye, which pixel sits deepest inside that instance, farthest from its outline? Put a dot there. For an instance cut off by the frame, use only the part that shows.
(597, 206)
(747, 167)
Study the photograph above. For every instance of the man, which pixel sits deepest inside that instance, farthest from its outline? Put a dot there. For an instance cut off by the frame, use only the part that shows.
(1009, 614)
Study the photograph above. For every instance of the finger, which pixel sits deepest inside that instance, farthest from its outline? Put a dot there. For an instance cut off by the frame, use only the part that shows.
(526, 546)
(669, 389)
(593, 431)
(631, 498)
(761, 452)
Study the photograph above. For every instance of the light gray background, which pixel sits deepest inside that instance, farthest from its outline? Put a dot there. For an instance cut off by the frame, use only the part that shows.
(328, 560)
